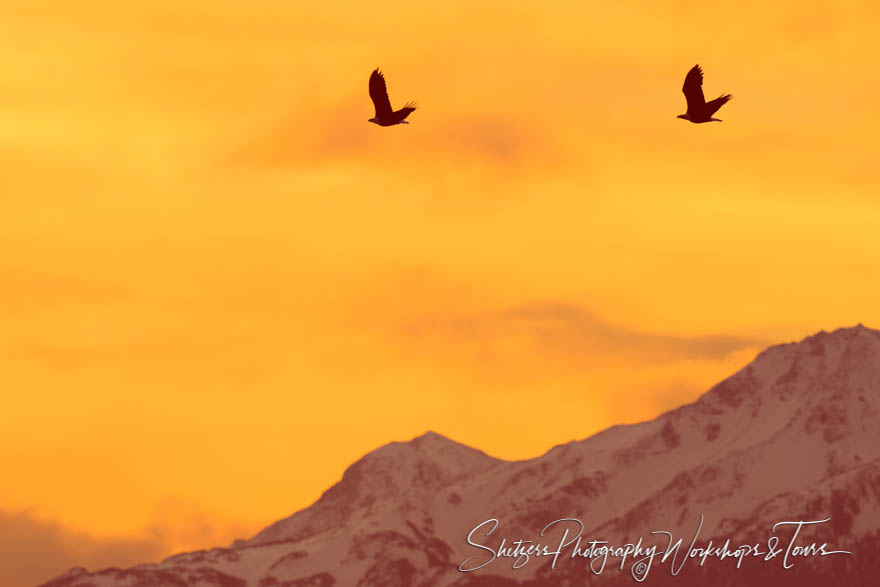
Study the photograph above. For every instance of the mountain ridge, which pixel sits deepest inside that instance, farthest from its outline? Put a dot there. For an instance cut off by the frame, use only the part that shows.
(795, 430)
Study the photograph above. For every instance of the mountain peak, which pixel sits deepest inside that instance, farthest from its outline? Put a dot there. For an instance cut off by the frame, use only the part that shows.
(846, 360)
(403, 473)
(847, 352)
(843, 335)
(839, 337)
(431, 437)
(430, 443)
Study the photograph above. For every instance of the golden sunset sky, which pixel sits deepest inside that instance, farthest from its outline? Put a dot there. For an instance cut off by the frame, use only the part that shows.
(220, 285)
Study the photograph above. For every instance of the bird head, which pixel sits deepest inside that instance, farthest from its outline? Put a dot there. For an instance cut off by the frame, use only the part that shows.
(374, 120)
(685, 116)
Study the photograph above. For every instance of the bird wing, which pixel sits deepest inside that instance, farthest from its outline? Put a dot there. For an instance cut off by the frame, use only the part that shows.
(693, 89)
(407, 109)
(379, 94)
(713, 105)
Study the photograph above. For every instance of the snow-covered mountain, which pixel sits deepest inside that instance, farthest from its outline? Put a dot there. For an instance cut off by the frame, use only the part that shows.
(793, 436)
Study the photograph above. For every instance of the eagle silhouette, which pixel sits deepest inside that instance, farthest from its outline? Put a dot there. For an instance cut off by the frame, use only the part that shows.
(698, 109)
(385, 116)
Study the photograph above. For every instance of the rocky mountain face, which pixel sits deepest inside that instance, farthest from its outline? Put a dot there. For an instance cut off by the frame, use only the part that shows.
(793, 436)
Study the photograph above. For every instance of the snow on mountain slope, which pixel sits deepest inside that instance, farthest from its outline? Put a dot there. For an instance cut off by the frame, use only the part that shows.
(793, 435)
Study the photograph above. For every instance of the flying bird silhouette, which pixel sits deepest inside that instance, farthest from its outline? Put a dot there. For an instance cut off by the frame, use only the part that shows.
(379, 94)
(698, 109)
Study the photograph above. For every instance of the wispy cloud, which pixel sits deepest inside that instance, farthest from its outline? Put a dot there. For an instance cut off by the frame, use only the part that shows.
(570, 328)
(559, 330)
(33, 551)
(443, 139)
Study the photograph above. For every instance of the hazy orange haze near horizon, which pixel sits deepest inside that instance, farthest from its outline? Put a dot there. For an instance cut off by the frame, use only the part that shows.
(221, 285)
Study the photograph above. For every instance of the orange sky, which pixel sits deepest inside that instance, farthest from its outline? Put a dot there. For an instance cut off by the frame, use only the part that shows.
(220, 285)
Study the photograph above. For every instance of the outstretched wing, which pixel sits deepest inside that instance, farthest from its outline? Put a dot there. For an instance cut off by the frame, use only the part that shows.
(693, 89)
(713, 105)
(408, 109)
(379, 94)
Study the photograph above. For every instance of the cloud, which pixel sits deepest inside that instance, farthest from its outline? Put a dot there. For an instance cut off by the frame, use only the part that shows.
(566, 327)
(493, 138)
(545, 337)
(341, 132)
(186, 525)
(33, 551)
